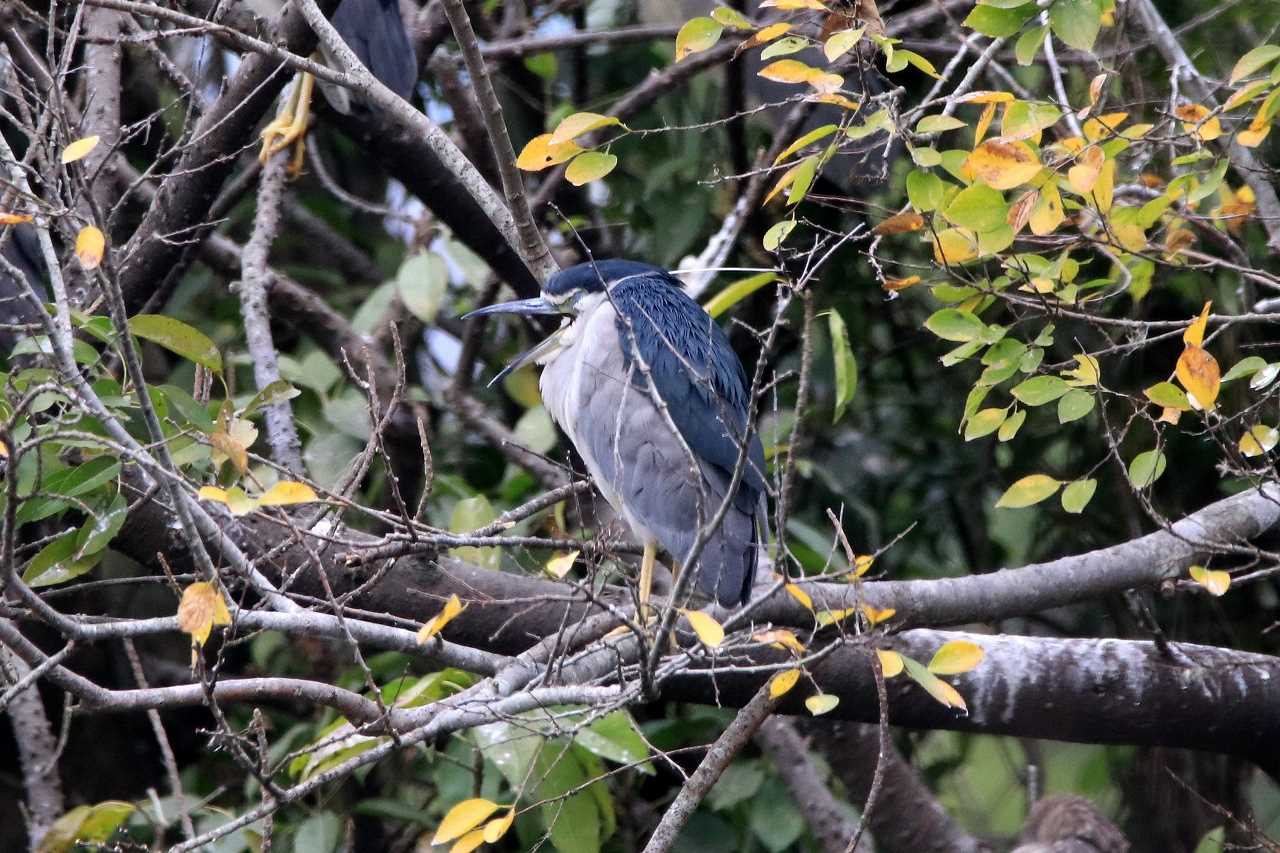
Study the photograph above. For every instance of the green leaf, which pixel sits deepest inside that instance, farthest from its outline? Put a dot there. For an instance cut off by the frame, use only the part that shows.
(1169, 396)
(468, 515)
(804, 175)
(67, 483)
(421, 282)
(535, 430)
(1028, 491)
(1245, 367)
(738, 291)
(1076, 22)
(275, 392)
(925, 190)
(1146, 468)
(615, 737)
(1011, 426)
(177, 337)
(1077, 494)
(951, 324)
(194, 413)
(784, 47)
(999, 22)
(319, 833)
(55, 563)
(1253, 61)
(1074, 405)
(978, 208)
(1029, 44)
(696, 35)
(731, 18)
(984, 422)
(589, 166)
(846, 366)
(938, 124)
(1039, 390)
(776, 235)
(101, 527)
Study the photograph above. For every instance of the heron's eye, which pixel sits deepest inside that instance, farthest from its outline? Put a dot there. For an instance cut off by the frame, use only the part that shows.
(565, 302)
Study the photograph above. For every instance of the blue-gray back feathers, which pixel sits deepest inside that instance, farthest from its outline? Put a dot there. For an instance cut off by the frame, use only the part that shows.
(374, 30)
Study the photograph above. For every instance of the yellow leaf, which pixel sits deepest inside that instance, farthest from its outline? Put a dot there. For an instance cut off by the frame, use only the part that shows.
(836, 100)
(1104, 193)
(4, 451)
(984, 122)
(956, 657)
(788, 178)
(1199, 373)
(231, 442)
(763, 36)
(234, 498)
(79, 149)
(90, 246)
(1195, 118)
(434, 626)
(705, 626)
(1084, 174)
(539, 153)
(948, 695)
(800, 595)
(821, 703)
(890, 662)
(876, 615)
(863, 562)
(794, 71)
(830, 617)
(1259, 440)
(893, 285)
(954, 246)
(571, 127)
(496, 828)
(1028, 491)
(791, 5)
(14, 218)
(780, 638)
(1002, 164)
(286, 493)
(899, 223)
(468, 842)
(463, 818)
(1215, 582)
(1086, 374)
(202, 606)
(1047, 214)
(783, 682)
(985, 97)
(1194, 335)
(559, 566)
(1103, 126)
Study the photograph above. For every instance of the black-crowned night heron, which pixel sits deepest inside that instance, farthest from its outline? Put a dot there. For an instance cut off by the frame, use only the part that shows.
(374, 30)
(646, 386)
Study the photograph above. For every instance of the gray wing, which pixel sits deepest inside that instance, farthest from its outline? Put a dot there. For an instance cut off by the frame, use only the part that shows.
(632, 447)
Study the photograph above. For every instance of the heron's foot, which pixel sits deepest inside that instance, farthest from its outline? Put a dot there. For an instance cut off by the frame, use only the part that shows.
(289, 127)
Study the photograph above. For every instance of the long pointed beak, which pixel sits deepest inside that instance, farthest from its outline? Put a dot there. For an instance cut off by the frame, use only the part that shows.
(527, 308)
(528, 357)
(524, 307)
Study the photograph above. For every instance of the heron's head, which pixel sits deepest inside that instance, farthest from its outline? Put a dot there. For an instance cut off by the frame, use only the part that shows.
(566, 293)
(563, 293)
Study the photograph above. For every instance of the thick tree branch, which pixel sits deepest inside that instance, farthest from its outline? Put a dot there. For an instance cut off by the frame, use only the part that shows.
(36, 746)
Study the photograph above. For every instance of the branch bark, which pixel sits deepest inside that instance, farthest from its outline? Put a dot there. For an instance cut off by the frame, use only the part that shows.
(37, 749)
(282, 432)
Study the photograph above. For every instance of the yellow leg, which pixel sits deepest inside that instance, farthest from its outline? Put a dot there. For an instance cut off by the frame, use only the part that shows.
(290, 125)
(646, 576)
